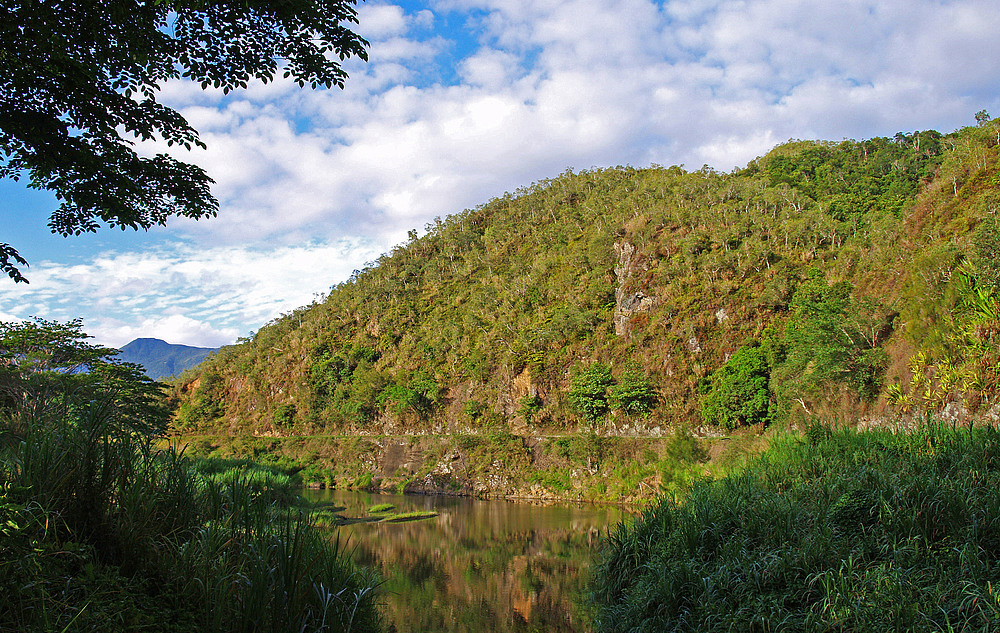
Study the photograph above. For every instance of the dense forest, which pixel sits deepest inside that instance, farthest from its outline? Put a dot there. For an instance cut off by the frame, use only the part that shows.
(844, 279)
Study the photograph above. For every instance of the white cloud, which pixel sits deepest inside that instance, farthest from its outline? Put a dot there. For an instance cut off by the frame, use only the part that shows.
(399, 48)
(381, 21)
(576, 83)
(184, 294)
(537, 86)
(490, 68)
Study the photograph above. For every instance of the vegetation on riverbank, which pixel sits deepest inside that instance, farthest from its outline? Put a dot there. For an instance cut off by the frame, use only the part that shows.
(101, 531)
(578, 467)
(833, 530)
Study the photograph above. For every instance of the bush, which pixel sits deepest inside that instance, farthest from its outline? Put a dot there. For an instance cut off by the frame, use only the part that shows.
(284, 415)
(831, 338)
(418, 394)
(530, 405)
(738, 393)
(589, 390)
(633, 394)
(474, 409)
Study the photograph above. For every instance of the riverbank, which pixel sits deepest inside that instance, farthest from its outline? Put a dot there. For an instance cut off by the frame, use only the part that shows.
(582, 467)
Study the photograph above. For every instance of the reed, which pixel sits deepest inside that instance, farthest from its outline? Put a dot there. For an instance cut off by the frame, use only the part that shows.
(98, 526)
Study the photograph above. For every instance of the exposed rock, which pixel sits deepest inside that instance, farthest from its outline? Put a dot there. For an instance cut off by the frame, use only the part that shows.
(628, 302)
(523, 386)
(400, 457)
(694, 345)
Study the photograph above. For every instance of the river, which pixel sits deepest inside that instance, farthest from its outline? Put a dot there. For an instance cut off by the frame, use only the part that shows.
(478, 566)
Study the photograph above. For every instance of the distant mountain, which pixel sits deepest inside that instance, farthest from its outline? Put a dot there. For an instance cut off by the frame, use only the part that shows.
(161, 359)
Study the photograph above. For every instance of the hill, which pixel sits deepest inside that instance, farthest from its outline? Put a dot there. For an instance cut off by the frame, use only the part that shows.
(161, 359)
(847, 280)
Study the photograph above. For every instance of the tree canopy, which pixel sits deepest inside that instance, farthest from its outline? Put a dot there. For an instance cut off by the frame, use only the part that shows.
(48, 366)
(78, 86)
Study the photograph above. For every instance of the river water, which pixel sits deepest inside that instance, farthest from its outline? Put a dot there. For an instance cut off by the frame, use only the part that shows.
(479, 566)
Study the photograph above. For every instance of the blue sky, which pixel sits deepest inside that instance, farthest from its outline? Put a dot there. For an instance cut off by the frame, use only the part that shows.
(463, 100)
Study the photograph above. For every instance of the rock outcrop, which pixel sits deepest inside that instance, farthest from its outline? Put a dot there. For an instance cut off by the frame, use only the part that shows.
(629, 301)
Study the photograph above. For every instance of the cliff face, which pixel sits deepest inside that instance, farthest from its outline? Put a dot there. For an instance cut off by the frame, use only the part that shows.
(629, 300)
(490, 320)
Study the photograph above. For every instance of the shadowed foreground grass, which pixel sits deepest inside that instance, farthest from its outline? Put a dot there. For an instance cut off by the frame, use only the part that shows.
(836, 530)
(99, 532)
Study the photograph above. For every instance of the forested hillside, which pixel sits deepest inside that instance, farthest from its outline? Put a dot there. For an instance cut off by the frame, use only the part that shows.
(826, 278)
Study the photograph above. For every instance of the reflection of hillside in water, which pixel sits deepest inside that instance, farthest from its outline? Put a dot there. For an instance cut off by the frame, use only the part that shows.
(480, 565)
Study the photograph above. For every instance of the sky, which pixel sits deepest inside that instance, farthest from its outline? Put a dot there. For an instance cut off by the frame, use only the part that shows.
(464, 100)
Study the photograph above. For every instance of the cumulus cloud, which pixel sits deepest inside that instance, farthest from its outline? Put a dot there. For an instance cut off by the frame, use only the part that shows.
(184, 294)
(580, 83)
(381, 21)
(466, 99)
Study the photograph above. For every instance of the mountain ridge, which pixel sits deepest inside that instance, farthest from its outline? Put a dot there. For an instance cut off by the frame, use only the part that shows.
(160, 359)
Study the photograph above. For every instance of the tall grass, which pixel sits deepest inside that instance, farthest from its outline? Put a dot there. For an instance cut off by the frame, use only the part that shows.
(836, 531)
(267, 481)
(102, 532)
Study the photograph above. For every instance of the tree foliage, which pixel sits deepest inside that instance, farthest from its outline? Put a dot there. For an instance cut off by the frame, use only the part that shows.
(49, 368)
(78, 85)
(832, 338)
(633, 393)
(853, 178)
(418, 392)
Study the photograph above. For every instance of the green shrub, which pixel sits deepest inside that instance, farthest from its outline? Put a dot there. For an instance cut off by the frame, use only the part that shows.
(284, 415)
(588, 390)
(633, 394)
(530, 405)
(830, 339)
(474, 409)
(738, 391)
(418, 392)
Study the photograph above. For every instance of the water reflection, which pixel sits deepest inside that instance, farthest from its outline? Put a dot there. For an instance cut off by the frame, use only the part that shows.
(479, 565)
